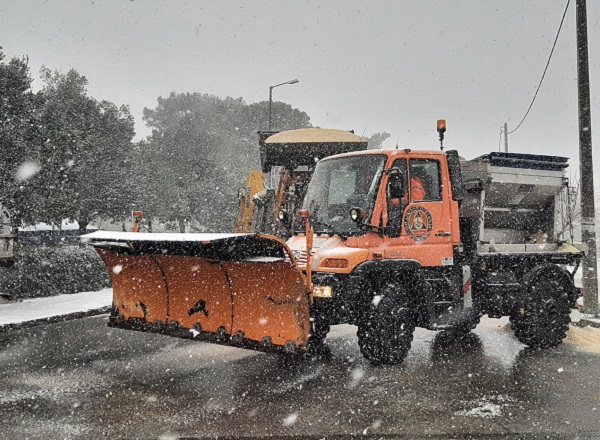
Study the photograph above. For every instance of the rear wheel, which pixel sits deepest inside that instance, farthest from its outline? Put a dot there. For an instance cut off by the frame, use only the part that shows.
(542, 320)
(386, 332)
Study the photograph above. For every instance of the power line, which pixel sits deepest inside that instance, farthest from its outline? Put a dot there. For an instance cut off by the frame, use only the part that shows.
(545, 69)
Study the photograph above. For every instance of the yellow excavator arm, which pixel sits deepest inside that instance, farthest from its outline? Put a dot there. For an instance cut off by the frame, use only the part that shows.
(254, 184)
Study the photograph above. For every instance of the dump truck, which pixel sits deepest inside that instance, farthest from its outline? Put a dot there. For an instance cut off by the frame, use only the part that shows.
(288, 159)
(387, 240)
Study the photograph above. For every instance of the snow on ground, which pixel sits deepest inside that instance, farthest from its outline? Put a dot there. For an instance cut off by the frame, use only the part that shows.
(160, 236)
(584, 338)
(488, 407)
(49, 307)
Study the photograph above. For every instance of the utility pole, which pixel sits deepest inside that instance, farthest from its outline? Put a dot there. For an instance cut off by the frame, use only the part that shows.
(586, 166)
(505, 137)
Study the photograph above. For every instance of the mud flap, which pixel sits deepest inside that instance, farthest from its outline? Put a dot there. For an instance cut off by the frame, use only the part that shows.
(232, 289)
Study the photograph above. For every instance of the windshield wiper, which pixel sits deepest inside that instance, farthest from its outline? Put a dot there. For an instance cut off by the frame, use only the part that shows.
(380, 229)
(330, 228)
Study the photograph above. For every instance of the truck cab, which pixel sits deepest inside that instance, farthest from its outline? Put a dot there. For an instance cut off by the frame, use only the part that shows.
(405, 203)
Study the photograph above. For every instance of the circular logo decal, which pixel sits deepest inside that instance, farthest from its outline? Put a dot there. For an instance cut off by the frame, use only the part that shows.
(418, 223)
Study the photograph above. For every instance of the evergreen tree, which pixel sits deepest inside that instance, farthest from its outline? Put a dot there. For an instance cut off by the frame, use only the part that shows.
(19, 136)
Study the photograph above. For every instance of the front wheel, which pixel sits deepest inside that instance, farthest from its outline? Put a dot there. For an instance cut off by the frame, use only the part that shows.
(386, 332)
(543, 319)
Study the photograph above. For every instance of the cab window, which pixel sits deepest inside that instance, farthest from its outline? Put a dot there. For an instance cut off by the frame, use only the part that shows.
(425, 180)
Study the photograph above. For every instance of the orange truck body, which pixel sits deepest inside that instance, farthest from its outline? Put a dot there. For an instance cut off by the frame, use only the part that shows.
(431, 246)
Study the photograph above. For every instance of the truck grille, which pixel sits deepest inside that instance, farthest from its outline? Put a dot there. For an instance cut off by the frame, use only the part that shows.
(301, 256)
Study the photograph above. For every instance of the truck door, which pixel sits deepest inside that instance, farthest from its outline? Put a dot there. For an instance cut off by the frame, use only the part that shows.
(423, 229)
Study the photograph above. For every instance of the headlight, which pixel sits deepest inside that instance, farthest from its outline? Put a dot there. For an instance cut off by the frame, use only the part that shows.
(322, 291)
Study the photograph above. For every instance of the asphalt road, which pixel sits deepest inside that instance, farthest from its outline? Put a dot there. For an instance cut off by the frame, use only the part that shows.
(83, 380)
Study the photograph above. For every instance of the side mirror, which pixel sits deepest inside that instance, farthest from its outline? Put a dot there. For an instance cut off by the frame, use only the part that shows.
(395, 184)
(455, 175)
(393, 173)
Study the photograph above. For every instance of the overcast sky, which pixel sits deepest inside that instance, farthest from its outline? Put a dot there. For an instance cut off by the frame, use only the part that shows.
(371, 66)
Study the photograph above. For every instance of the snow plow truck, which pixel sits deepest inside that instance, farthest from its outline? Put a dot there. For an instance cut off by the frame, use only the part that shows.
(388, 240)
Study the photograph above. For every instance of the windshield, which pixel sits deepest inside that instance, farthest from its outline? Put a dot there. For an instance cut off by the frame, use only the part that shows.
(338, 185)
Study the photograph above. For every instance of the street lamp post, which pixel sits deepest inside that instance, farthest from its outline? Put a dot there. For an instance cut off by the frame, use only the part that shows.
(294, 81)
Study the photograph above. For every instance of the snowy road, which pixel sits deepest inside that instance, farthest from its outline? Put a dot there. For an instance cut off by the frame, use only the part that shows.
(80, 379)
(56, 307)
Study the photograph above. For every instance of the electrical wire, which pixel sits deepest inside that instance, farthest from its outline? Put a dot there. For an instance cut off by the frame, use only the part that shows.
(545, 69)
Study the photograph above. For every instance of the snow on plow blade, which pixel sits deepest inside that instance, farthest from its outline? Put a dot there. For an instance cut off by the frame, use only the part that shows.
(231, 289)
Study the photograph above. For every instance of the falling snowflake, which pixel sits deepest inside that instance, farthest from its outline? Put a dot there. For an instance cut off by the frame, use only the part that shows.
(291, 419)
(27, 170)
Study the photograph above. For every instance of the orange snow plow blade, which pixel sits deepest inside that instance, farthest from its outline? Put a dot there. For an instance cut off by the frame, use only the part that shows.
(233, 289)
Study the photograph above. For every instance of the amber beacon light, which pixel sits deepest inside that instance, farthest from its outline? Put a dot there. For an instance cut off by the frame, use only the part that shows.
(441, 128)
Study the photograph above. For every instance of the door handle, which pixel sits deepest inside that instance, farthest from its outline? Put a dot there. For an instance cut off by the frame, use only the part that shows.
(443, 234)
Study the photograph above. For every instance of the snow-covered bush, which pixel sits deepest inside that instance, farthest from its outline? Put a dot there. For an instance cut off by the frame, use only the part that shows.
(49, 271)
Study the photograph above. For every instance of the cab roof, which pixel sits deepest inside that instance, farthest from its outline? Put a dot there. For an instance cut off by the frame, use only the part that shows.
(403, 152)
